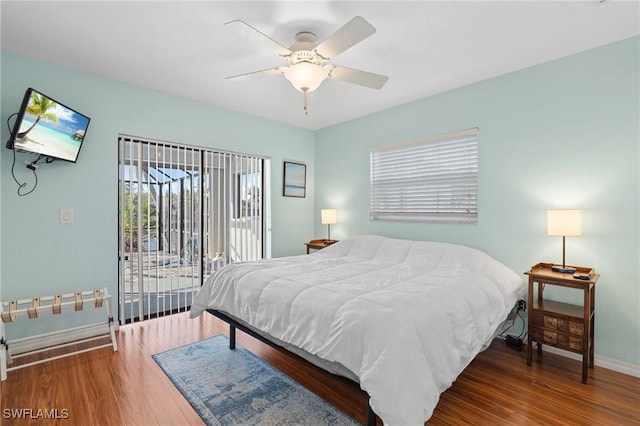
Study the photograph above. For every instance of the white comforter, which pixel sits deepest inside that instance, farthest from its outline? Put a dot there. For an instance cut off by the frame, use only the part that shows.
(405, 316)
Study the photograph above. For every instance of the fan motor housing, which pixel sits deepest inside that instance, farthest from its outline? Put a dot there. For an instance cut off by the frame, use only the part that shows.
(303, 50)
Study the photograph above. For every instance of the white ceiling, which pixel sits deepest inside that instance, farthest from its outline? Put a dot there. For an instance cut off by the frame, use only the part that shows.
(425, 47)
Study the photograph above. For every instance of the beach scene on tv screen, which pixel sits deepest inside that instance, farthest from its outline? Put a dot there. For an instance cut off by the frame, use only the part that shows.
(51, 129)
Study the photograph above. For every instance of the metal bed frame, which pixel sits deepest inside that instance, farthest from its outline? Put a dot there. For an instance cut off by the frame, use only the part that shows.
(233, 325)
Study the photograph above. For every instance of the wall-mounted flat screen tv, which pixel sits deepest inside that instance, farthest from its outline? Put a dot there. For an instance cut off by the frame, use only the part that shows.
(45, 126)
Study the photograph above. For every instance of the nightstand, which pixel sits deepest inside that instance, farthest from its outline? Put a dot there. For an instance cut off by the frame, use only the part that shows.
(562, 325)
(319, 244)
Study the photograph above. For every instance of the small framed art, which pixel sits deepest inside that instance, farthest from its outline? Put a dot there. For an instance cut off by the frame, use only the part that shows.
(294, 182)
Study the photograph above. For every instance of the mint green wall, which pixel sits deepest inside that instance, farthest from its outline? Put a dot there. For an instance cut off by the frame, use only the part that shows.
(560, 135)
(1, 139)
(42, 257)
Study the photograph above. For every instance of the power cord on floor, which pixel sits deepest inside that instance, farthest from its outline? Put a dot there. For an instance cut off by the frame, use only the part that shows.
(512, 339)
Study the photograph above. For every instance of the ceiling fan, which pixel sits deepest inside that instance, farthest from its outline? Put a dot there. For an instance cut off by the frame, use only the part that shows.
(307, 59)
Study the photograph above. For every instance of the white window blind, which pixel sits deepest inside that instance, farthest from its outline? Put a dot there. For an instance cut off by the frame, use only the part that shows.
(433, 179)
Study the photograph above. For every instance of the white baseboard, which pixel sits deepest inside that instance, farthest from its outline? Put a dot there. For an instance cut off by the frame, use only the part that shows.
(33, 343)
(601, 361)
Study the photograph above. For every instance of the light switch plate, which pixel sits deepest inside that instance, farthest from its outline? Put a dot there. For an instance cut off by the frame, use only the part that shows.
(66, 216)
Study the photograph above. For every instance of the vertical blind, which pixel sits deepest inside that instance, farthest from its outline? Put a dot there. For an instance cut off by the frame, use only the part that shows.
(433, 179)
(183, 213)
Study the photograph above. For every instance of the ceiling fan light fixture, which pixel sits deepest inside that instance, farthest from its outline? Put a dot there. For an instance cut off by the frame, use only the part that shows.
(305, 76)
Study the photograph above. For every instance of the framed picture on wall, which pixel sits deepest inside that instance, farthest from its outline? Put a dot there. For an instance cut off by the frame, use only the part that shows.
(294, 182)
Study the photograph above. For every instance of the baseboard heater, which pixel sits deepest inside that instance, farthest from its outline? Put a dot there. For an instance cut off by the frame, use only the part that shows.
(14, 310)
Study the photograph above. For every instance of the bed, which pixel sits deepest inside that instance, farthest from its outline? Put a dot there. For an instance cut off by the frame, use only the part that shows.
(402, 318)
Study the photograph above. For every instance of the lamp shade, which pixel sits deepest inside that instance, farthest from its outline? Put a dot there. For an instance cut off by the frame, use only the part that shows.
(564, 223)
(328, 216)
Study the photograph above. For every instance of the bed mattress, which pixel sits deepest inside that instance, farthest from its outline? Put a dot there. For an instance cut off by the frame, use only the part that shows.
(405, 317)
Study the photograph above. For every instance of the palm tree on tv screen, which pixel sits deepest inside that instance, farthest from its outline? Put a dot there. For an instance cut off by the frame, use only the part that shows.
(38, 108)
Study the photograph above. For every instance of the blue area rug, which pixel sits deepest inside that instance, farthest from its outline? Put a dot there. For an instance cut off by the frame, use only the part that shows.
(235, 387)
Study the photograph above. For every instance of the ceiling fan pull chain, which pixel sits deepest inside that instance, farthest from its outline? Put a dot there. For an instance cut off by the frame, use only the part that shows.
(306, 110)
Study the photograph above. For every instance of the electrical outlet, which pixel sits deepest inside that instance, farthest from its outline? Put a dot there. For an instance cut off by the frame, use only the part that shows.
(522, 305)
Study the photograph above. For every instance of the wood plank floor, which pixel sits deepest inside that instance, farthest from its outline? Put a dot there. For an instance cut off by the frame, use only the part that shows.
(128, 388)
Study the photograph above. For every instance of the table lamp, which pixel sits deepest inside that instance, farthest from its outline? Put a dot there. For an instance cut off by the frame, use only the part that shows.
(328, 218)
(564, 223)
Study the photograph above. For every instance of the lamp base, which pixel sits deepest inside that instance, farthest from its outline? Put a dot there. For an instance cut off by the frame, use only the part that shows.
(563, 269)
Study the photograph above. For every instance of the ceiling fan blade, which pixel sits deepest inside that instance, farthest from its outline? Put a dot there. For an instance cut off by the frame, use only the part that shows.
(353, 32)
(363, 78)
(258, 37)
(258, 74)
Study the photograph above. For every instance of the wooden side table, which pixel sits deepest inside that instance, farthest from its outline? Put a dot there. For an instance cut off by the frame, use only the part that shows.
(319, 244)
(562, 325)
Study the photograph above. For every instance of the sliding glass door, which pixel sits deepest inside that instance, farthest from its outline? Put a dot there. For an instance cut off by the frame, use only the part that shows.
(183, 212)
